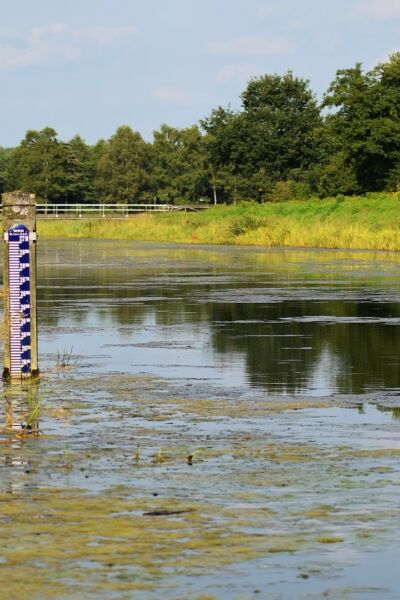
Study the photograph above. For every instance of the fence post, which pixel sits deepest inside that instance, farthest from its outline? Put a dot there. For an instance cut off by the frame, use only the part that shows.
(19, 279)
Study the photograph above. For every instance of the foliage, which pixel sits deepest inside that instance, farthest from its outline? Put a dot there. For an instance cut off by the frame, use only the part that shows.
(280, 145)
(81, 168)
(179, 165)
(121, 173)
(40, 165)
(289, 190)
(272, 139)
(5, 155)
(280, 121)
(365, 125)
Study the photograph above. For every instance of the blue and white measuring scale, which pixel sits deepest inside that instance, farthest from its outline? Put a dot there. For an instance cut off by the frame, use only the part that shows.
(19, 300)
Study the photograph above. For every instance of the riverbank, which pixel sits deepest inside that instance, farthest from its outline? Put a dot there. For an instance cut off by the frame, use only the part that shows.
(371, 222)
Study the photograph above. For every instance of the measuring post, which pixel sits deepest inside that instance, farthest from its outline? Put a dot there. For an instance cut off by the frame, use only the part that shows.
(19, 279)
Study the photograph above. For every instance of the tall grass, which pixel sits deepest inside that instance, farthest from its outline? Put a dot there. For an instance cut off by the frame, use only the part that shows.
(371, 222)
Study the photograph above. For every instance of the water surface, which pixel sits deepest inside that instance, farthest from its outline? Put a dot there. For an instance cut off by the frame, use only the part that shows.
(226, 426)
(289, 322)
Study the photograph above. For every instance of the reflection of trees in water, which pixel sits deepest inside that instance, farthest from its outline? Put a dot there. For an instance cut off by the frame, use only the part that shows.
(281, 351)
(101, 292)
(284, 355)
(274, 352)
(370, 355)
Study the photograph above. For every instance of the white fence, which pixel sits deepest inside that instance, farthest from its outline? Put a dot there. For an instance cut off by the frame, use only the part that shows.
(78, 211)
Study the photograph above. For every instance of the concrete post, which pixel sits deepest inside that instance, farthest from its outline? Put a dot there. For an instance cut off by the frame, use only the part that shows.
(19, 279)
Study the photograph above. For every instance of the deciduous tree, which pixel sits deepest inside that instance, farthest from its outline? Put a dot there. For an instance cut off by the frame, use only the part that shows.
(179, 165)
(122, 167)
(364, 124)
(40, 165)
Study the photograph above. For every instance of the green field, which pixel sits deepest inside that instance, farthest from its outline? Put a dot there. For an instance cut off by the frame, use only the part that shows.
(371, 222)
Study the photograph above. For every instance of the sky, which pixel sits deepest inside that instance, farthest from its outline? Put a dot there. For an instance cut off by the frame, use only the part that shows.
(89, 66)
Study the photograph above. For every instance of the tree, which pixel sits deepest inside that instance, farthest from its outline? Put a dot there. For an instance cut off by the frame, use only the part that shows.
(122, 167)
(274, 137)
(179, 165)
(221, 142)
(5, 156)
(81, 171)
(281, 118)
(364, 124)
(39, 165)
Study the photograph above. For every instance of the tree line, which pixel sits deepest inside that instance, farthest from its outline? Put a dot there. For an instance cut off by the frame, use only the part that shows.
(281, 144)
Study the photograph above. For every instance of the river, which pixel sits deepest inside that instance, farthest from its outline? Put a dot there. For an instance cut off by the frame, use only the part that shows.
(215, 422)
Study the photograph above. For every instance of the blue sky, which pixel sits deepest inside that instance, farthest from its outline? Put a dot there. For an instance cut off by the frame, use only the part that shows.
(88, 66)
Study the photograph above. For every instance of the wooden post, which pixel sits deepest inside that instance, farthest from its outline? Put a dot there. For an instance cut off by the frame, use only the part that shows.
(19, 279)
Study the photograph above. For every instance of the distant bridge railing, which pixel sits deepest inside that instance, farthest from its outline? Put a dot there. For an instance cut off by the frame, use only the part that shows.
(79, 211)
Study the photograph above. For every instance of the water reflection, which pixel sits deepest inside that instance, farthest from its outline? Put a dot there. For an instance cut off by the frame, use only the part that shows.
(286, 321)
(22, 409)
(21, 421)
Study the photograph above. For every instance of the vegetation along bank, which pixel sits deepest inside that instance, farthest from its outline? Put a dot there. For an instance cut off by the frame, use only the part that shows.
(371, 222)
(265, 164)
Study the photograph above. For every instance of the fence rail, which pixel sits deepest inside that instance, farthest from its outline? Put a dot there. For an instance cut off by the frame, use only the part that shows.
(79, 211)
(116, 211)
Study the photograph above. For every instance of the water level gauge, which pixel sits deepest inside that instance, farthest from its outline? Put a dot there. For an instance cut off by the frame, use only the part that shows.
(19, 279)
(20, 300)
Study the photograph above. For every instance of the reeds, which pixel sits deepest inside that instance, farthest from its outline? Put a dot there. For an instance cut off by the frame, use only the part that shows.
(66, 360)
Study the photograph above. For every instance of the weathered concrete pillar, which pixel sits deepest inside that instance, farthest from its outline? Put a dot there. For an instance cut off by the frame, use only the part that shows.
(19, 279)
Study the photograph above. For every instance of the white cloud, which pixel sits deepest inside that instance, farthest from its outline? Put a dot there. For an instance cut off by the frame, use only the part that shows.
(380, 10)
(238, 72)
(251, 46)
(171, 93)
(54, 43)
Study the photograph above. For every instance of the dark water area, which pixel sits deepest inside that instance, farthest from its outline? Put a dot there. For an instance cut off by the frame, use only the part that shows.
(287, 322)
(211, 423)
